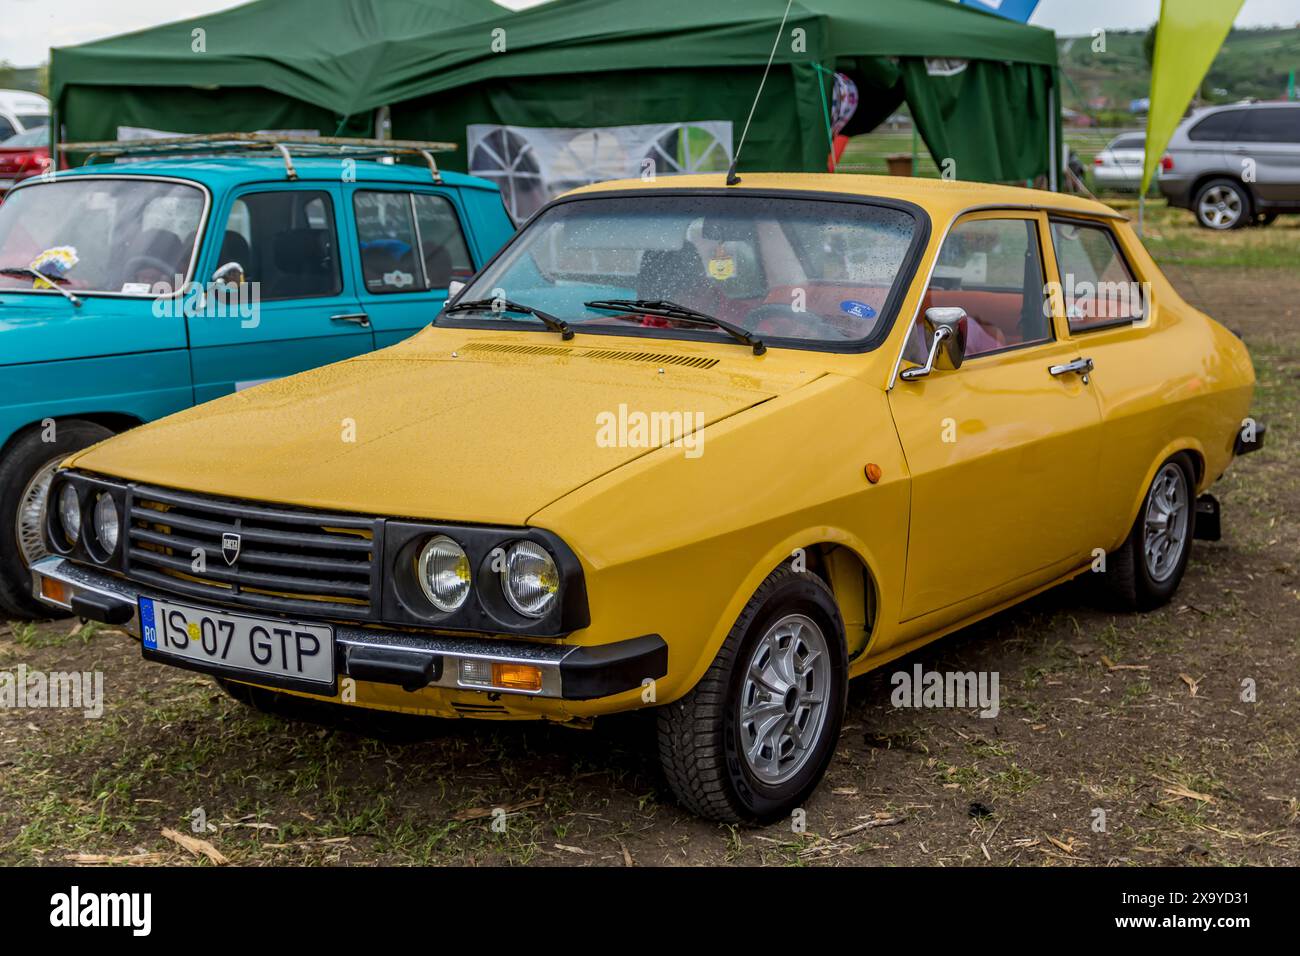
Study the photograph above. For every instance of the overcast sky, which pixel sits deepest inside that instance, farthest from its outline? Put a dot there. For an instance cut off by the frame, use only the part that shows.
(28, 28)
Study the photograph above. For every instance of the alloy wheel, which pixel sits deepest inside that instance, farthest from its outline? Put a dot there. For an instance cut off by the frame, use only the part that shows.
(782, 708)
(1167, 522)
(1220, 207)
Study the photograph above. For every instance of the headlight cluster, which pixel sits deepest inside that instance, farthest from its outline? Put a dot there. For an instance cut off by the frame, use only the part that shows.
(84, 518)
(526, 572)
(492, 580)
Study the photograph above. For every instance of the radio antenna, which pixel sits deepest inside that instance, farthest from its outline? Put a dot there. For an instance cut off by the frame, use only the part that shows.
(732, 178)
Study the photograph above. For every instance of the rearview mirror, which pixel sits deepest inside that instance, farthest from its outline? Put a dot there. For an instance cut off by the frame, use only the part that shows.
(945, 329)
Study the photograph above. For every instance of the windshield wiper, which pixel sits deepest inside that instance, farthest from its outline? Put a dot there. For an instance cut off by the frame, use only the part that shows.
(664, 309)
(505, 305)
(52, 280)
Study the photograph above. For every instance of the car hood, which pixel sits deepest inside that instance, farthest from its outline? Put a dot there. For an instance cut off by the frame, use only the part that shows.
(453, 424)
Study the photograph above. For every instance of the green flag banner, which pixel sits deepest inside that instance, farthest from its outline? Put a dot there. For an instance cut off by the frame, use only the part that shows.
(1188, 37)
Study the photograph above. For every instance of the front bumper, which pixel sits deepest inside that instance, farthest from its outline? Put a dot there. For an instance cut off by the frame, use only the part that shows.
(412, 661)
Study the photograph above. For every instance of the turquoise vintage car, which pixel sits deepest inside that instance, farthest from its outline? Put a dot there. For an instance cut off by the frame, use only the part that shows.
(131, 290)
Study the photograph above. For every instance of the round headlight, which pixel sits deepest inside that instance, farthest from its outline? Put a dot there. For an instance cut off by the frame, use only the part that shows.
(530, 579)
(443, 570)
(106, 524)
(70, 513)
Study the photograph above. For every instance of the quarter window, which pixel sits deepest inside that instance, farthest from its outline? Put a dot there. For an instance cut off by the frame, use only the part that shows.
(1217, 127)
(409, 242)
(285, 241)
(1096, 283)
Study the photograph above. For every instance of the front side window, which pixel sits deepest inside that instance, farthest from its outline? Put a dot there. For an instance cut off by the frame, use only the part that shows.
(409, 242)
(285, 241)
(991, 269)
(805, 271)
(1274, 124)
(126, 236)
(1098, 288)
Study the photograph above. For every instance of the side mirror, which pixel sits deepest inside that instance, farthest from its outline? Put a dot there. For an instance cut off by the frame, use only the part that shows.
(946, 330)
(454, 288)
(232, 273)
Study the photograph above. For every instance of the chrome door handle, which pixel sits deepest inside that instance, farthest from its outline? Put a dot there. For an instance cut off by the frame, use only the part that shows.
(1081, 365)
(357, 318)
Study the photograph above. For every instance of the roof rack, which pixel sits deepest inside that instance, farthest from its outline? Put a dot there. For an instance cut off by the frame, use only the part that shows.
(342, 147)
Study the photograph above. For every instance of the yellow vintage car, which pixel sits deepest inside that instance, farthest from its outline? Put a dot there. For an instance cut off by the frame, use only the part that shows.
(704, 448)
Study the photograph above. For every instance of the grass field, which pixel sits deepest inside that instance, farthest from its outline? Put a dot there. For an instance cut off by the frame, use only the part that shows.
(1140, 716)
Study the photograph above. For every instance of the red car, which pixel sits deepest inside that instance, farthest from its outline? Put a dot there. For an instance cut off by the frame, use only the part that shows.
(23, 154)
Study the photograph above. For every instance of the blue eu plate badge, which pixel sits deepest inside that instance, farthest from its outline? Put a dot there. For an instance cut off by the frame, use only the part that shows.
(148, 630)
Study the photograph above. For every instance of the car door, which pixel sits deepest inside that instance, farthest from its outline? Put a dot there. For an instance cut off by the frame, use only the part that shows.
(295, 307)
(410, 246)
(1270, 143)
(1003, 451)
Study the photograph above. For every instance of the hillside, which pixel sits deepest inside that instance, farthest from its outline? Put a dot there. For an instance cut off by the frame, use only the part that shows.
(1251, 64)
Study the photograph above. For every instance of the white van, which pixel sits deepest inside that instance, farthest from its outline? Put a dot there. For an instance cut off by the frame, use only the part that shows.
(20, 110)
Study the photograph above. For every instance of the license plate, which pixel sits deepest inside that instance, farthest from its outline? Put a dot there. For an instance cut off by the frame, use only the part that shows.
(280, 652)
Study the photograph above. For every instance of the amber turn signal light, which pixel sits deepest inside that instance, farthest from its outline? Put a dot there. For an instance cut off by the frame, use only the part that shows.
(516, 676)
(872, 471)
(55, 591)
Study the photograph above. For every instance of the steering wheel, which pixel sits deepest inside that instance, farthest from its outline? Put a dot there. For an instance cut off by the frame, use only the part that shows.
(137, 263)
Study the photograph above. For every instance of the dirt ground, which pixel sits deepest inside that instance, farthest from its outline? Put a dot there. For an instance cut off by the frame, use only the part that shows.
(1137, 716)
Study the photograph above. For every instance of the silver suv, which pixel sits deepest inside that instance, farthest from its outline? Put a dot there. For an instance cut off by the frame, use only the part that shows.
(1235, 165)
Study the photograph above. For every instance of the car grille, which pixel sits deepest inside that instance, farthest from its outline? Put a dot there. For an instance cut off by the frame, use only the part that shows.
(290, 560)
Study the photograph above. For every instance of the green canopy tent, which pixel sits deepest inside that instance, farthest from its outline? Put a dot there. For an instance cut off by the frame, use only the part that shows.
(982, 89)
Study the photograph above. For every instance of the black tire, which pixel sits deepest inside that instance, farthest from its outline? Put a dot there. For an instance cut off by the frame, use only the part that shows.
(1233, 192)
(23, 459)
(700, 734)
(1128, 581)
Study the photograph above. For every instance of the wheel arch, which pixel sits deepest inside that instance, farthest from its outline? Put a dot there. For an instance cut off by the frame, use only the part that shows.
(841, 560)
(1188, 446)
(114, 421)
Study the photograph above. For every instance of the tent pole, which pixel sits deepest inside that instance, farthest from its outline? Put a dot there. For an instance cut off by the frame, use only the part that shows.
(1051, 140)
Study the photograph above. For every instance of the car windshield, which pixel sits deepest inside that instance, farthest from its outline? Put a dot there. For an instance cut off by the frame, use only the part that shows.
(125, 236)
(39, 136)
(34, 120)
(802, 272)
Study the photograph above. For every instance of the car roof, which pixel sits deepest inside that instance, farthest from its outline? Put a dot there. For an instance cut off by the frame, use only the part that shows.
(23, 101)
(224, 172)
(942, 198)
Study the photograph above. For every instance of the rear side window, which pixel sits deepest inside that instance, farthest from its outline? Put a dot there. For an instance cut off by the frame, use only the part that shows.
(1098, 287)
(285, 241)
(1217, 127)
(409, 242)
(1272, 125)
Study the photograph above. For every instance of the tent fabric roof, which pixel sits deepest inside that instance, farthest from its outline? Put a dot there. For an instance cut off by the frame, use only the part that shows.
(325, 53)
(356, 55)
